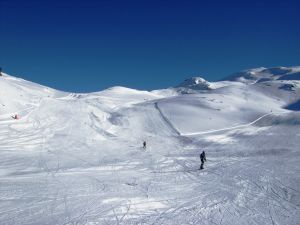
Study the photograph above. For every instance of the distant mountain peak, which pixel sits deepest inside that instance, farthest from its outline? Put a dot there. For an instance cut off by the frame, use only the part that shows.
(196, 83)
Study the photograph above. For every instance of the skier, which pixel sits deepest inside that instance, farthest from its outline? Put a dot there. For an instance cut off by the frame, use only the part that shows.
(0, 71)
(144, 144)
(16, 117)
(203, 159)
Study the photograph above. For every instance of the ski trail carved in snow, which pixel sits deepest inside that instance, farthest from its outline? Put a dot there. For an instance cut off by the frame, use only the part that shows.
(229, 128)
(168, 122)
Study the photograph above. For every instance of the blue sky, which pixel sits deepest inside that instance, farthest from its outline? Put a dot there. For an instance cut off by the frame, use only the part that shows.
(90, 45)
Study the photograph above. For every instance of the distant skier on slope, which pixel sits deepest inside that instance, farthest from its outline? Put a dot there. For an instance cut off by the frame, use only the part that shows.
(203, 159)
(144, 145)
(16, 117)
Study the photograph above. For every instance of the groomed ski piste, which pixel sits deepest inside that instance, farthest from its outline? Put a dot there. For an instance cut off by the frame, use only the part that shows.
(74, 158)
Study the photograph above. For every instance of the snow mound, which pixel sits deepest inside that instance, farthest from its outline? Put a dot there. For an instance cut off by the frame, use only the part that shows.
(18, 95)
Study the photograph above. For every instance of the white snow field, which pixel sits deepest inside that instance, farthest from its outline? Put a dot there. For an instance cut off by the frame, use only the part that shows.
(78, 158)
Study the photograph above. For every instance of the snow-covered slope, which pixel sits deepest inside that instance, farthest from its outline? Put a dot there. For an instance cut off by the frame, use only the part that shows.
(76, 158)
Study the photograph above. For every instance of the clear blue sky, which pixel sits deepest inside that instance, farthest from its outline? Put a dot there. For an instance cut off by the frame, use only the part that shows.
(89, 45)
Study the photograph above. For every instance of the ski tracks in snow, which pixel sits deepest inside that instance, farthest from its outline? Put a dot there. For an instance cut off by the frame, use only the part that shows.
(176, 131)
(167, 121)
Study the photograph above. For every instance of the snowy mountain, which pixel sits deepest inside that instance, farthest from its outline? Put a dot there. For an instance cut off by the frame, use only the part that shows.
(77, 158)
(266, 74)
(196, 83)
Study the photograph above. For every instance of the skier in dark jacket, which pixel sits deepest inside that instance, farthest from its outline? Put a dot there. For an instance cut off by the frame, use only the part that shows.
(144, 145)
(203, 159)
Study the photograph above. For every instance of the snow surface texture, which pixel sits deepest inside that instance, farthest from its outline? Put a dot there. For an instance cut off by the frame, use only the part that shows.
(78, 158)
